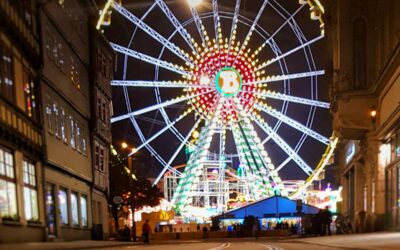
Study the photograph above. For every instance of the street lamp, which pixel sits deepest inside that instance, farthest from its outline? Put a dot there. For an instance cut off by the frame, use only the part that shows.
(124, 145)
(195, 3)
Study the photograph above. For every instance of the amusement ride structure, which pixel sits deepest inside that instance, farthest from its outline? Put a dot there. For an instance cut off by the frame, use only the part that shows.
(235, 83)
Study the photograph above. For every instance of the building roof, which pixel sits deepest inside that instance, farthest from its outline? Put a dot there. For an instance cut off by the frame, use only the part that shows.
(272, 207)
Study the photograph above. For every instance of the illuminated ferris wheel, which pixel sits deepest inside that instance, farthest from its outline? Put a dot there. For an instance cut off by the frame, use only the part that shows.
(235, 86)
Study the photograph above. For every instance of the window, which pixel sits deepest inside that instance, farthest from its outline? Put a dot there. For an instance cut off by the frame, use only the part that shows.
(63, 206)
(74, 209)
(49, 118)
(101, 159)
(74, 74)
(84, 215)
(72, 131)
(30, 192)
(78, 139)
(6, 73)
(62, 126)
(96, 156)
(83, 136)
(8, 196)
(29, 94)
(56, 118)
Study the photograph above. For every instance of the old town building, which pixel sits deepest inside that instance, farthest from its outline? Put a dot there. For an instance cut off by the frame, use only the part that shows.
(102, 61)
(22, 214)
(55, 72)
(365, 96)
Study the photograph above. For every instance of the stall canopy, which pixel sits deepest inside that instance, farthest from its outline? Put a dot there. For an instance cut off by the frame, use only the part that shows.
(273, 207)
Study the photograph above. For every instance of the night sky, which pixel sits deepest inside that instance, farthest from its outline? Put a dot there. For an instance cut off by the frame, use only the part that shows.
(124, 33)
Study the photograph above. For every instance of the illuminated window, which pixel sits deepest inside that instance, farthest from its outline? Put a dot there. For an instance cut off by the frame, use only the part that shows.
(6, 73)
(78, 138)
(74, 209)
(84, 215)
(8, 196)
(84, 145)
(49, 114)
(72, 131)
(30, 192)
(56, 118)
(63, 206)
(29, 93)
(63, 125)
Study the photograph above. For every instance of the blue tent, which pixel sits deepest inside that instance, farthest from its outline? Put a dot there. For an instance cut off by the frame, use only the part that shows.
(273, 207)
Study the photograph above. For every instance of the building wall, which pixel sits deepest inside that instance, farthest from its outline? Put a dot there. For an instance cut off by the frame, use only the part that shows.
(366, 61)
(22, 216)
(65, 96)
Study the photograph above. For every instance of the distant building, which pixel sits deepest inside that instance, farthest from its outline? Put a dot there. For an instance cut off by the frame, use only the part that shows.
(365, 96)
(102, 65)
(22, 213)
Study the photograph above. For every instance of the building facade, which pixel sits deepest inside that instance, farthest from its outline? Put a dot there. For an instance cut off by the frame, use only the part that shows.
(22, 213)
(65, 99)
(102, 64)
(55, 95)
(365, 96)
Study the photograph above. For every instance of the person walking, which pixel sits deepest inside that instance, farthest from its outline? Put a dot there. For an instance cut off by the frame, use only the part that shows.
(326, 221)
(146, 229)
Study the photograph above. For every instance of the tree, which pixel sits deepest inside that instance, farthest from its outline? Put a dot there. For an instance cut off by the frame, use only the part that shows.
(135, 190)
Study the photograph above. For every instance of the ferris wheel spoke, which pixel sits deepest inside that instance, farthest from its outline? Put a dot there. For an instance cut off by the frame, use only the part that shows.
(149, 59)
(288, 19)
(290, 98)
(278, 78)
(183, 143)
(178, 26)
(232, 35)
(199, 25)
(161, 131)
(250, 32)
(154, 34)
(271, 61)
(284, 146)
(157, 106)
(158, 84)
(217, 23)
(294, 124)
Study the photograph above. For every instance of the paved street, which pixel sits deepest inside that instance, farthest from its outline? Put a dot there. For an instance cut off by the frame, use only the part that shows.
(371, 241)
(229, 245)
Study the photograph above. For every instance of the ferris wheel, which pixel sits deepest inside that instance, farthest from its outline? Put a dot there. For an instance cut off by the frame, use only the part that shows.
(226, 81)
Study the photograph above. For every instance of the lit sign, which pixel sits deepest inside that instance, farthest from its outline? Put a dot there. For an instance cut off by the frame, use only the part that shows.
(228, 81)
(350, 151)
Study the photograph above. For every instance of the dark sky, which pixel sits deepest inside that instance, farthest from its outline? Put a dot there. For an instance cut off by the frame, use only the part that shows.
(121, 32)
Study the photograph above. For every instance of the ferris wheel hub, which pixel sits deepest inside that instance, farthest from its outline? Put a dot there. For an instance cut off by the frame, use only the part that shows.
(228, 81)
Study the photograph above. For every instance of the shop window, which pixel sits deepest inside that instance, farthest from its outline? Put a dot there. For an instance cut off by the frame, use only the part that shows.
(84, 215)
(74, 209)
(6, 73)
(8, 196)
(30, 192)
(63, 206)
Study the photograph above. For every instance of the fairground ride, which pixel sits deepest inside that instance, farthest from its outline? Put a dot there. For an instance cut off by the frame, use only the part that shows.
(241, 80)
